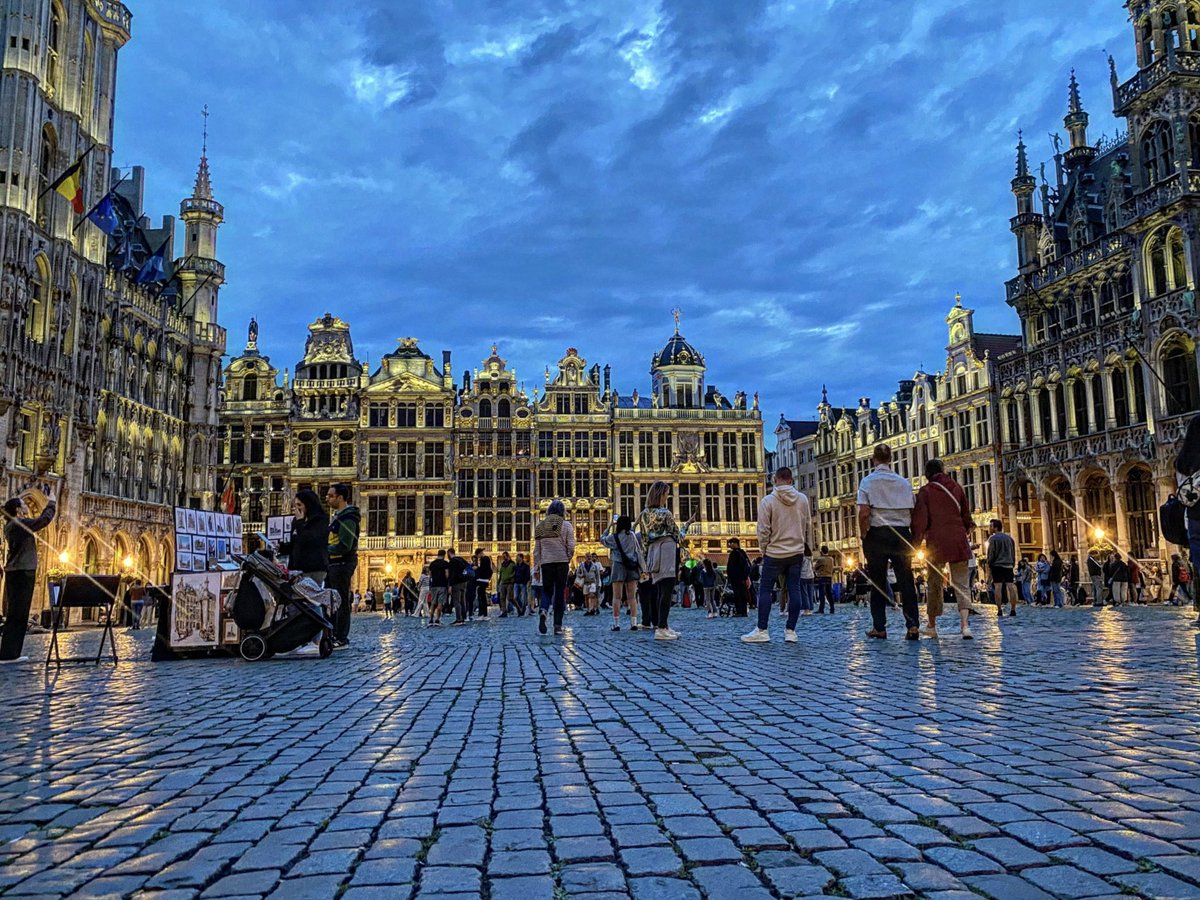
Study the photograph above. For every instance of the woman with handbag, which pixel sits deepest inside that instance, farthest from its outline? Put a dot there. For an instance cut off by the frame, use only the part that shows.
(663, 536)
(628, 565)
(554, 545)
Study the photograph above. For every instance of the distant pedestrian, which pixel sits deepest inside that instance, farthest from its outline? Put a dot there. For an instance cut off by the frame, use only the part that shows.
(824, 568)
(590, 576)
(1095, 570)
(1022, 574)
(554, 545)
(1117, 576)
(424, 593)
(784, 527)
(737, 571)
(462, 586)
(439, 586)
(1042, 568)
(1056, 579)
(663, 536)
(628, 566)
(885, 505)
(521, 576)
(505, 573)
(20, 572)
(483, 580)
(406, 598)
(942, 521)
(1001, 560)
(387, 601)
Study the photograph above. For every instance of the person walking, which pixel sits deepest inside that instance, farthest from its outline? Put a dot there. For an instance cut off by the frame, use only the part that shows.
(590, 577)
(439, 587)
(1072, 578)
(1095, 570)
(1118, 579)
(823, 568)
(20, 572)
(1022, 575)
(784, 526)
(408, 596)
(628, 566)
(505, 574)
(1042, 568)
(554, 545)
(1001, 560)
(737, 571)
(663, 536)
(343, 556)
(1055, 579)
(885, 506)
(521, 577)
(942, 521)
(462, 584)
(1137, 582)
(483, 580)
(424, 592)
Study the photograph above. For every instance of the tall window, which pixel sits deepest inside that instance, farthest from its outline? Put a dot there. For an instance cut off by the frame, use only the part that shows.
(406, 514)
(39, 303)
(599, 445)
(435, 514)
(664, 450)
(1179, 375)
(545, 444)
(504, 527)
(627, 500)
(1157, 151)
(1139, 393)
(406, 459)
(487, 484)
(546, 484)
(732, 507)
(435, 416)
(377, 460)
(645, 450)
(625, 449)
(710, 449)
(377, 415)
(53, 50)
(712, 503)
(1081, 406)
(504, 484)
(1120, 394)
(1140, 506)
(689, 501)
(435, 459)
(46, 176)
(377, 515)
(581, 445)
(346, 450)
(524, 529)
(324, 449)
(406, 415)
(749, 451)
(523, 484)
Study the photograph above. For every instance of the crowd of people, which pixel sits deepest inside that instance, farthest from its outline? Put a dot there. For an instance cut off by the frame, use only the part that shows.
(916, 547)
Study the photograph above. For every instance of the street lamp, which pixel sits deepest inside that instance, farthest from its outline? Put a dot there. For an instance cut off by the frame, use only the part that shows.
(920, 556)
(64, 557)
(127, 563)
(1098, 534)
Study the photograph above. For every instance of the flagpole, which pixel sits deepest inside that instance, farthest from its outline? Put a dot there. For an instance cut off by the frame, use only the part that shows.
(54, 184)
(199, 288)
(87, 215)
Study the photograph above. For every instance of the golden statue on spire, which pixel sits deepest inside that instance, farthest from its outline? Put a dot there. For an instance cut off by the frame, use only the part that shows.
(676, 312)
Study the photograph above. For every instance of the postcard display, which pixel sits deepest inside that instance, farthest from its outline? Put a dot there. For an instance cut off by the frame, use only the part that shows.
(205, 579)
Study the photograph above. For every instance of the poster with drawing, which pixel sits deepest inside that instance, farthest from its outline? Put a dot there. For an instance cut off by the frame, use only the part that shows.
(195, 610)
(203, 538)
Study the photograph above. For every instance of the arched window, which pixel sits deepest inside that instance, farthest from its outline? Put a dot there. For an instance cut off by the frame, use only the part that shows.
(1157, 152)
(1099, 505)
(1120, 393)
(1140, 507)
(1087, 307)
(1139, 391)
(485, 408)
(1146, 44)
(1079, 391)
(1175, 252)
(46, 161)
(1156, 264)
(1179, 377)
(503, 408)
(1171, 35)
(86, 101)
(1125, 291)
(250, 388)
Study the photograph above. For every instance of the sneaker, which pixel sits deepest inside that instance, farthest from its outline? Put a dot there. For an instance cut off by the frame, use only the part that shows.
(558, 631)
(807, 612)
(789, 636)
(542, 621)
(929, 632)
(674, 633)
(711, 616)
(881, 635)
(966, 634)
(616, 627)
(1012, 613)
(912, 634)
(341, 645)
(665, 634)
(19, 659)
(306, 650)
(757, 636)
(634, 627)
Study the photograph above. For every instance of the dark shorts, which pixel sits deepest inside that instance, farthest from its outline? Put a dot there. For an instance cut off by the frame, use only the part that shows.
(1002, 575)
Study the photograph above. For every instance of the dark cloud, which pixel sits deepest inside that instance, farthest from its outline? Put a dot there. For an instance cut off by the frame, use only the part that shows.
(800, 181)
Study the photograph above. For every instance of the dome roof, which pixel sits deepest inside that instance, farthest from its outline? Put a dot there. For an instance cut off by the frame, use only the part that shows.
(678, 352)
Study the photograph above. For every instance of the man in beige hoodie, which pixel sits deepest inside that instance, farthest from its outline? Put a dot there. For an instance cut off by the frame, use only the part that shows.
(784, 523)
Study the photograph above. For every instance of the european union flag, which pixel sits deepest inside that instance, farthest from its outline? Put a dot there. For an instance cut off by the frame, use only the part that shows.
(104, 216)
(154, 269)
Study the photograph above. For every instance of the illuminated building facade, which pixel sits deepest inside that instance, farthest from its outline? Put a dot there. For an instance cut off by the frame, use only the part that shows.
(108, 388)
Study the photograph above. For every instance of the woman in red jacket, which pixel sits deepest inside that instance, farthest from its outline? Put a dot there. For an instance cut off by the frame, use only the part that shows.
(942, 519)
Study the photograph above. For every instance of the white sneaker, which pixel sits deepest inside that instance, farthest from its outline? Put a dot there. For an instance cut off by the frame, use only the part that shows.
(929, 632)
(19, 659)
(757, 636)
(665, 634)
(709, 616)
(674, 634)
(306, 650)
(966, 634)
(789, 636)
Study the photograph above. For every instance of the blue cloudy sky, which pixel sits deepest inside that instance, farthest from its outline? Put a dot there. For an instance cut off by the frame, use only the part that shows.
(809, 181)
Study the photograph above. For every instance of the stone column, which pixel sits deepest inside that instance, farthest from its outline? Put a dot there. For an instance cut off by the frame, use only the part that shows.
(1131, 403)
(1069, 394)
(1118, 489)
(1053, 395)
(1020, 401)
(1110, 412)
(1044, 501)
(1035, 416)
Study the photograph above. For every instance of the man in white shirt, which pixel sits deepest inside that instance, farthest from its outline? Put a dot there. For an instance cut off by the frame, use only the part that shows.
(885, 506)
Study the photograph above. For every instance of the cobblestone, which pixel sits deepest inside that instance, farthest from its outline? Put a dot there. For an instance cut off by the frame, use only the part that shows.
(446, 763)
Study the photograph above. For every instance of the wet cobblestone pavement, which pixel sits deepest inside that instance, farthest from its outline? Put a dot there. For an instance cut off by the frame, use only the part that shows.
(1058, 755)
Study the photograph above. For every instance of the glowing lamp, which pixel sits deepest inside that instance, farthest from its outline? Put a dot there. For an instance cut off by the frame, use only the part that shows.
(127, 562)
(64, 557)
(1098, 534)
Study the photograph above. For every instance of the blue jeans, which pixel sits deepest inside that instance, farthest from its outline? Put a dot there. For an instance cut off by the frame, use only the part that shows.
(1025, 593)
(1057, 592)
(772, 568)
(808, 588)
(518, 597)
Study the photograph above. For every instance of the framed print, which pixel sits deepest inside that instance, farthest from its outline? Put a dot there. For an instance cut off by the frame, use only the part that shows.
(195, 608)
(199, 562)
(235, 546)
(210, 523)
(183, 561)
(223, 549)
(212, 547)
(193, 521)
(275, 529)
(230, 632)
(230, 581)
(183, 543)
(180, 519)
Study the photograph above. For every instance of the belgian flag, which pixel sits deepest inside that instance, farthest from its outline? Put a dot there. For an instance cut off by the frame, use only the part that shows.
(70, 184)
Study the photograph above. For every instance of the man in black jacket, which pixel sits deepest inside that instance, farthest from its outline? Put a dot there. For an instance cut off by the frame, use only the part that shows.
(483, 578)
(343, 556)
(1096, 575)
(460, 582)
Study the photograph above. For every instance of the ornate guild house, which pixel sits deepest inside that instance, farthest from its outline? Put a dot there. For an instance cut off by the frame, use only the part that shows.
(474, 465)
(110, 366)
(1095, 401)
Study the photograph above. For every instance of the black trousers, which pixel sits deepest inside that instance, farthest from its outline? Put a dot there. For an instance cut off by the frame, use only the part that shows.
(554, 590)
(18, 597)
(881, 546)
(666, 591)
(648, 601)
(825, 589)
(338, 578)
(740, 597)
(481, 598)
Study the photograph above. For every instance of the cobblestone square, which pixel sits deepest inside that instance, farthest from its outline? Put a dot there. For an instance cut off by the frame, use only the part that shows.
(1058, 755)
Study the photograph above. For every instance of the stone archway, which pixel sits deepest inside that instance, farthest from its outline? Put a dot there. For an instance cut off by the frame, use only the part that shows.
(1141, 512)
(1061, 515)
(1098, 505)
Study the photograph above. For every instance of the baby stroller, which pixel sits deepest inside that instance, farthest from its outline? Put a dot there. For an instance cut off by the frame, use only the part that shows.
(279, 613)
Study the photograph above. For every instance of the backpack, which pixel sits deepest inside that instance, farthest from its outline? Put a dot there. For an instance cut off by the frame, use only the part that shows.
(1172, 517)
(469, 573)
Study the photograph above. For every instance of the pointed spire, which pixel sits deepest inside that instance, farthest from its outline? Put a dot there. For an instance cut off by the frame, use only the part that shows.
(1112, 72)
(203, 187)
(1075, 105)
(1022, 159)
(824, 396)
